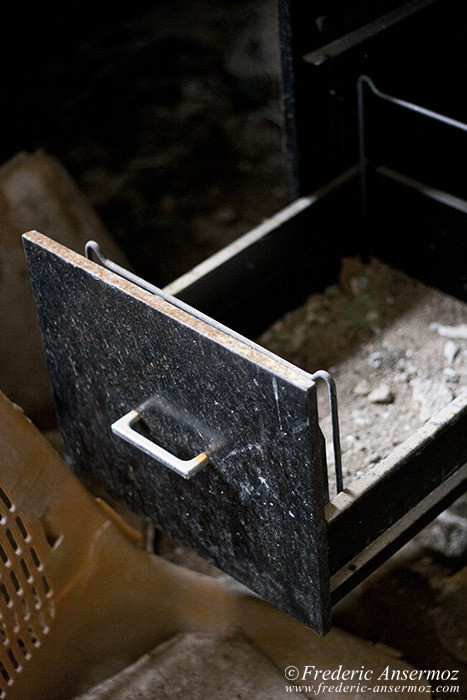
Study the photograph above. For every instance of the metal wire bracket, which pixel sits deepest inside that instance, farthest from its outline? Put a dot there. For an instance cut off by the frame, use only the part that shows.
(93, 249)
(410, 106)
(336, 441)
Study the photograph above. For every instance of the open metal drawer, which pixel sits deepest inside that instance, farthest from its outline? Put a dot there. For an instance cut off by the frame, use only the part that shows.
(255, 506)
(241, 423)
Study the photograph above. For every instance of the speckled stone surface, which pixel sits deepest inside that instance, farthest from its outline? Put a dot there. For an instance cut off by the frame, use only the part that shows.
(257, 509)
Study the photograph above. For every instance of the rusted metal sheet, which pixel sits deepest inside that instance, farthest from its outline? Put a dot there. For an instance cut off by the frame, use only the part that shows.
(256, 508)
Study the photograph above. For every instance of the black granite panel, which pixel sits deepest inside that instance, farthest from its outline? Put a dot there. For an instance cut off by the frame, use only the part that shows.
(256, 510)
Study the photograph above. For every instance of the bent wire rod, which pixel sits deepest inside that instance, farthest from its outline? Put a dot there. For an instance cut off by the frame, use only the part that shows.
(92, 248)
(449, 121)
(418, 109)
(336, 442)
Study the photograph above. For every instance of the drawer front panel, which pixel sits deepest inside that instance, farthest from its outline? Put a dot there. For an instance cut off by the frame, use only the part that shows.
(255, 507)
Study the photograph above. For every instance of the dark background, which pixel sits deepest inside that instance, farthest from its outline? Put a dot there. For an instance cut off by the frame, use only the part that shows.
(167, 115)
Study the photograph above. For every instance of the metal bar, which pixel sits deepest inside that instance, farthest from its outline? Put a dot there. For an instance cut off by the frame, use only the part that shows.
(363, 165)
(411, 106)
(398, 534)
(358, 36)
(92, 248)
(362, 150)
(336, 442)
(434, 193)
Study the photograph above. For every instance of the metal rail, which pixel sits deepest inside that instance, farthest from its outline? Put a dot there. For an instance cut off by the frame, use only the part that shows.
(410, 106)
(358, 36)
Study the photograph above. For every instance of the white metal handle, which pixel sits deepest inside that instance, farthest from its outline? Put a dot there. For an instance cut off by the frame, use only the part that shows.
(185, 467)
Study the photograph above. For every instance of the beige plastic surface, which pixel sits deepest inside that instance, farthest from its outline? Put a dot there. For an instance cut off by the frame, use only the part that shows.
(80, 601)
(76, 595)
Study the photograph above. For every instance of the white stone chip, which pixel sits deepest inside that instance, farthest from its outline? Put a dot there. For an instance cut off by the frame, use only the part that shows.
(451, 350)
(363, 388)
(455, 332)
(382, 394)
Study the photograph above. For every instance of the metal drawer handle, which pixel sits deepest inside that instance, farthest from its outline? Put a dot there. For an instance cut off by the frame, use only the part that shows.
(185, 467)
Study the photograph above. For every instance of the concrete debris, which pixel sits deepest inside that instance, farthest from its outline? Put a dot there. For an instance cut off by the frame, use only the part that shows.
(432, 396)
(447, 534)
(373, 459)
(418, 602)
(454, 332)
(358, 285)
(360, 418)
(382, 395)
(451, 351)
(361, 357)
(375, 360)
(451, 375)
(209, 665)
(372, 317)
(352, 278)
(363, 388)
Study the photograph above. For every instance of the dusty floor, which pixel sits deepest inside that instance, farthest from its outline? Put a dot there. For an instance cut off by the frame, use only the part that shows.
(378, 333)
